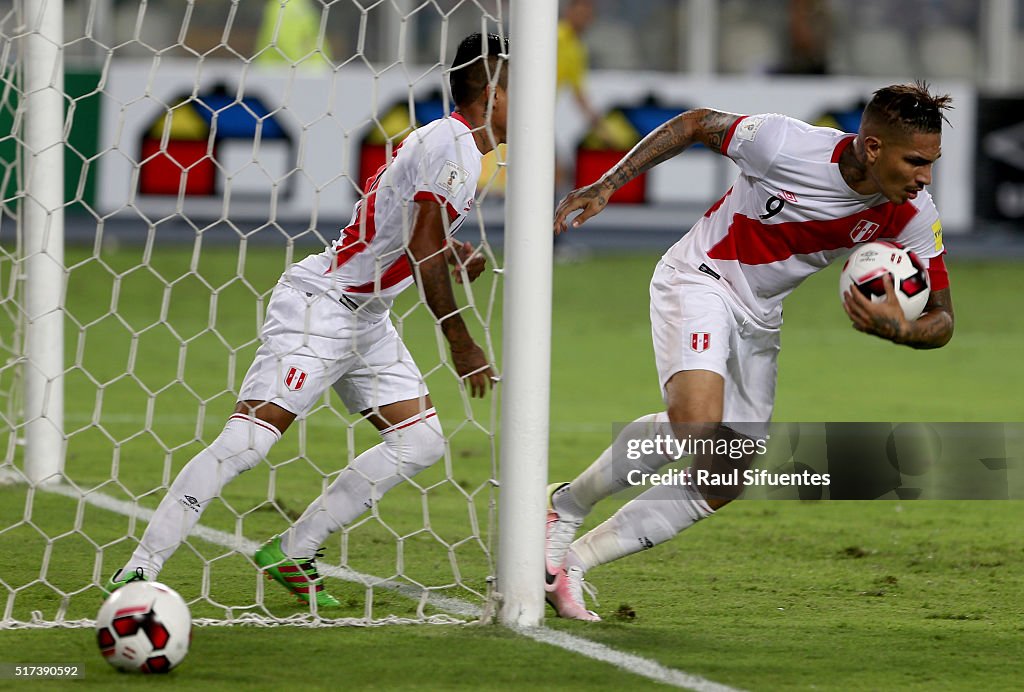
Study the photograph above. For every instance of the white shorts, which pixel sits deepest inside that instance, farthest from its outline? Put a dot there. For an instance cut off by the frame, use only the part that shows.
(311, 342)
(696, 325)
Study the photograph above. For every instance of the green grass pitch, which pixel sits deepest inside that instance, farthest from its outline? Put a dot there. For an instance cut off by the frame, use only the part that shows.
(764, 596)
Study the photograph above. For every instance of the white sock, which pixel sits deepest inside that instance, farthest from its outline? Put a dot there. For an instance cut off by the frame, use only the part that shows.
(653, 517)
(239, 447)
(607, 475)
(408, 448)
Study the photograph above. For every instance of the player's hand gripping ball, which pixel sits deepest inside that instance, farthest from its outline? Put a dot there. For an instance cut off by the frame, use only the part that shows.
(870, 262)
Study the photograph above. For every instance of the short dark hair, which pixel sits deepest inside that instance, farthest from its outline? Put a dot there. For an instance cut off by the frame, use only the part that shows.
(909, 108)
(475, 65)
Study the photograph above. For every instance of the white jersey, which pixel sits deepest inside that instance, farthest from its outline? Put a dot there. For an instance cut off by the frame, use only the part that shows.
(790, 214)
(367, 264)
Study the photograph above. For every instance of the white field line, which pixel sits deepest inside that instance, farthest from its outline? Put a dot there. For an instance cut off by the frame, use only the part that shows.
(637, 665)
(620, 659)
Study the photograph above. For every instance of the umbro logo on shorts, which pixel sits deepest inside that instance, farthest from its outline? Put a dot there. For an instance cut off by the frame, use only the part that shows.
(294, 379)
(700, 341)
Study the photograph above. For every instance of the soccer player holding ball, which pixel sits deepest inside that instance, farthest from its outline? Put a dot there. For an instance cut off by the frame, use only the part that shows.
(328, 325)
(805, 195)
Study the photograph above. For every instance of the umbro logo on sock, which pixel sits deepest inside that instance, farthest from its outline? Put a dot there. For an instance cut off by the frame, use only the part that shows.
(190, 502)
(646, 542)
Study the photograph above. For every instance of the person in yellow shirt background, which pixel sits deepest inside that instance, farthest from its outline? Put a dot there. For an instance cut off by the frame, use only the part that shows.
(573, 66)
(290, 35)
(573, 57)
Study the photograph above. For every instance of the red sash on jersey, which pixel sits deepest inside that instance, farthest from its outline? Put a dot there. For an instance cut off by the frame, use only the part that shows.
(751, 241)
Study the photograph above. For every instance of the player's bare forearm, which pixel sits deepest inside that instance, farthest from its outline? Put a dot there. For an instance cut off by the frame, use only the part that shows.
(702, 125)
(428, 251)
(934, 328)
(436, 285)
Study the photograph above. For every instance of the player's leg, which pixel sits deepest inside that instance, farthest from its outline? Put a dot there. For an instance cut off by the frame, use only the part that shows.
(694, 399)
(244, 441)
(284, 378)
(692, 396)
(693, 328)
(660, 513)
(570, 503)
(411, 441)
(657, 514)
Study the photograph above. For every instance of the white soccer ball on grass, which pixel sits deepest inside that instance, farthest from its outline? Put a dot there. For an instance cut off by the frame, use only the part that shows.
(144, 627)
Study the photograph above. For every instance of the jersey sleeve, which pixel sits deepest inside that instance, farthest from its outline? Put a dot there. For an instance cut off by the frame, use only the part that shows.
(923, 235)
(444, 174)
(754, 141)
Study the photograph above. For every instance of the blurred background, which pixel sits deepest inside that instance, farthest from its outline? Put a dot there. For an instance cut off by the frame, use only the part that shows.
(270, 114)
(930, 38)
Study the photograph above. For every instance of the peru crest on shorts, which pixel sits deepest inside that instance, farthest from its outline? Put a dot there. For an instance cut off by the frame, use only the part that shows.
(294, 379)
(700, 341)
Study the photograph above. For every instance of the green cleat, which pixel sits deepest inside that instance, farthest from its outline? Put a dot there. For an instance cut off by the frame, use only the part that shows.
(297, 575)
(117, 581)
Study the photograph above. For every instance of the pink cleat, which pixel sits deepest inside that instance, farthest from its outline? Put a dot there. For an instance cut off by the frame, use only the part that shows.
(567, 596)
(561, 529)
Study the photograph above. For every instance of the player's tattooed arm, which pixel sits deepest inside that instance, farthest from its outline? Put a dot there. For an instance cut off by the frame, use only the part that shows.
(933, 329)
(702, 125)
(428, 251)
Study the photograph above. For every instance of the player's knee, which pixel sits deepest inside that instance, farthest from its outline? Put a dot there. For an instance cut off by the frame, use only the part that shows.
(243, 443)
(695, 396)
(694, 412)
(417, 442)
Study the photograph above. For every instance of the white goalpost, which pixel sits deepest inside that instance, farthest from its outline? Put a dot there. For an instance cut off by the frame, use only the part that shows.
(200, 164)
(527, 324)
(42, 213)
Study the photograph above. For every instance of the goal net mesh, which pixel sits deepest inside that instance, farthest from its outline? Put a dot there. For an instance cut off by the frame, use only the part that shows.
(207, 147)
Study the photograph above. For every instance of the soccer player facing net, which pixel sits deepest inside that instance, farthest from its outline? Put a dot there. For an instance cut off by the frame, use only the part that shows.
(327, 325)
(804, 196)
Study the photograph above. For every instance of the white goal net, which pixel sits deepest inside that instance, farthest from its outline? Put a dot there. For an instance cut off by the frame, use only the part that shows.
(205, 147)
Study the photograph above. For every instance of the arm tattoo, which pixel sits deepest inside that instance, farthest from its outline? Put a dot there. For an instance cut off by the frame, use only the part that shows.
(715, 126)
(935, 327)
(703, 125)
(426, 252)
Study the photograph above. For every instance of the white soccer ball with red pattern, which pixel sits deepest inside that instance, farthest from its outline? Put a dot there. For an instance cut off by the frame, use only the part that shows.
(868, 264)
(144, 627)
